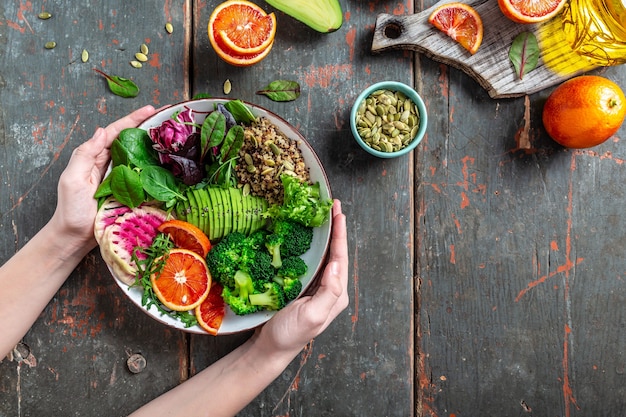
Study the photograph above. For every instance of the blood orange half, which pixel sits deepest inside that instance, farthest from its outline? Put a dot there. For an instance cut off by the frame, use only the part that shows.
(530, 11)
(210, 312)
(186, 236)
(184, 281)
(240, 32)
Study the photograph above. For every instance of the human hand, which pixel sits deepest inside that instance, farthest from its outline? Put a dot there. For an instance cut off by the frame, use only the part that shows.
(308, 316)
(76, 208)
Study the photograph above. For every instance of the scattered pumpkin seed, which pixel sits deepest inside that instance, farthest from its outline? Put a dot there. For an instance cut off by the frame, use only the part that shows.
(44, 15)
(144, 49)
(227, 87)
(50, 45)
(84, 56)
(141, 57)
(136, 64)
(169, 28)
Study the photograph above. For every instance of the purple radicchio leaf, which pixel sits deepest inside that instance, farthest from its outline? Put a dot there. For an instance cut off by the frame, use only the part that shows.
(188, 170)
(230, 119)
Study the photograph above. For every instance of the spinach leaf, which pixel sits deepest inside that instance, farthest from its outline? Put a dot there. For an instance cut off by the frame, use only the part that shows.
(126, 186)
(119, 154)
(281, 90)
(160, 183)
(524, 53)
(104, 189)
(138, 147)
(240, 111)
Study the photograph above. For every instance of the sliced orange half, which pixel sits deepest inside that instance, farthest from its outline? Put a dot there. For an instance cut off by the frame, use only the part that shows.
(186, 236)
(184, 282)
(531, 11)
(461, 22)
(210, 312)
(239, 29)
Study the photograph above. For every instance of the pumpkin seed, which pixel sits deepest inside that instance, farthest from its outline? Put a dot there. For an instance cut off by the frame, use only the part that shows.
(50, 45)
(143, 49)
(44, 15)
(136, 64)
(169, 28)
(387, 120)
(84, 56)
(227, 87)
(141, 57)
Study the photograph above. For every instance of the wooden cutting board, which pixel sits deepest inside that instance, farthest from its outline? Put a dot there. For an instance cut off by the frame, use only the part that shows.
(490, 65)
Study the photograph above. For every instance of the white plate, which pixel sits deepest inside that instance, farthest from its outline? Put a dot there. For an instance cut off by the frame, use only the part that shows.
(314, 258)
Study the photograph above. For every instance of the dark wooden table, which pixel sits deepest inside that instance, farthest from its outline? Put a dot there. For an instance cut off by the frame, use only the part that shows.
(485, 279)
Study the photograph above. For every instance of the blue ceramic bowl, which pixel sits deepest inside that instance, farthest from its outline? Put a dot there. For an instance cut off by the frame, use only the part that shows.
(410, 93)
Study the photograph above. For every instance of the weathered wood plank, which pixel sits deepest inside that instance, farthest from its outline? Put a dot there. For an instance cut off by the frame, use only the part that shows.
(51, 102)
(521, 275)
(362, 364)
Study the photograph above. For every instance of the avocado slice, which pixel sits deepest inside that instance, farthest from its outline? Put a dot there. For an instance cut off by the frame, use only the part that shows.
(193, 209)
(211, 228)
(228, 211)
(235, 198)
(218, 210)
(182, 209)
(201, 222)
(207, 208)
(246, 213)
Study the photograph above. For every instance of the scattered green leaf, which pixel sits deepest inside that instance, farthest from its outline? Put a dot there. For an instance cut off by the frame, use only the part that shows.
(281, 90)
(119, 86)
(524, 53)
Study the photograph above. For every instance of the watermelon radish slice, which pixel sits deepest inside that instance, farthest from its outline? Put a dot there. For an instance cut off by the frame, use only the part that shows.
(110, 210)
(138, 227)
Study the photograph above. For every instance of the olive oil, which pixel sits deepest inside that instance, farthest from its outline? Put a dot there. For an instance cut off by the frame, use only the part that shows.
(596, 29)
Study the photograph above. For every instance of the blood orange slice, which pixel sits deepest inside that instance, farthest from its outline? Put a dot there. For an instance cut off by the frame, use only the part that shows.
(186, 236)
(210, 312)
(184, 281)
(531, 11)
(461, 22)
(241, 32)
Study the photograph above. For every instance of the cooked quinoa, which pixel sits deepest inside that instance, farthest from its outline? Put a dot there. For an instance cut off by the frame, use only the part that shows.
(265, 155)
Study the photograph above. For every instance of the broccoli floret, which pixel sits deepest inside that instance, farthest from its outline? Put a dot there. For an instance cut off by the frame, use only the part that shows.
(240, 306)
(297, 238)
(293, 267)
(272, 243)
(223, 262)
(226, 257)
(256, 239)
(273, 298)
(258, 264)
(288, 276)
(244, 286)
(291, 286)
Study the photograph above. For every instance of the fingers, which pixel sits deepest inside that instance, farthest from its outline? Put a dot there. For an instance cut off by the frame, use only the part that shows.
(132, 120)
(332, 293)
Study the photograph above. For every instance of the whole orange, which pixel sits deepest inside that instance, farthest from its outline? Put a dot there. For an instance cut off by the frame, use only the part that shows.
(584, 111)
